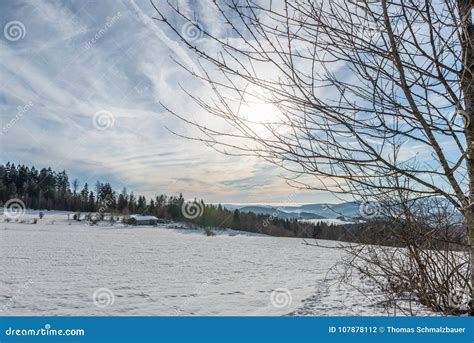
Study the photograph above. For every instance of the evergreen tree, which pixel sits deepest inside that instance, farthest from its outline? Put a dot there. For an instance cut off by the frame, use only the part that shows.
(236, 219)
(48, 189)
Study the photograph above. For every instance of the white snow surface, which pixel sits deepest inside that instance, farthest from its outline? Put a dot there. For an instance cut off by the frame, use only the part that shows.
(56, 266)
(138, 217)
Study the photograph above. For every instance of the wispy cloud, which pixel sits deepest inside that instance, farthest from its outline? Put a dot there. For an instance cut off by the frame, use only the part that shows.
(78, 58)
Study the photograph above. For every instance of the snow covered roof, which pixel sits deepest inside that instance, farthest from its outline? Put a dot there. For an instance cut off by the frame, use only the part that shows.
(139, 218)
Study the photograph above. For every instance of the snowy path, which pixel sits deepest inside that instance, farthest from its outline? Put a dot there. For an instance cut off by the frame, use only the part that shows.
(53, 268)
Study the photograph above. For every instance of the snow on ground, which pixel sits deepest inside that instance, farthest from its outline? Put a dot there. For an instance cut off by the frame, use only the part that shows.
(56, 266)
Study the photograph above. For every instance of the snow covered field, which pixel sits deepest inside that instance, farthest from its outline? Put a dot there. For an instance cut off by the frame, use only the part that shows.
(61, 267)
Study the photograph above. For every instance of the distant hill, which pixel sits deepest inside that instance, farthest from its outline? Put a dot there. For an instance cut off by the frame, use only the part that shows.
(309, 211)
(346, 211)
(278, 212)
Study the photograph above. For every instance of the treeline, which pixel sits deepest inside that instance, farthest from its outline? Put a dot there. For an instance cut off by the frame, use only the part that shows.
(52, 190)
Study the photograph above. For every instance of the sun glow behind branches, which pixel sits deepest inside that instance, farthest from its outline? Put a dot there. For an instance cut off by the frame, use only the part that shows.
(259, 112)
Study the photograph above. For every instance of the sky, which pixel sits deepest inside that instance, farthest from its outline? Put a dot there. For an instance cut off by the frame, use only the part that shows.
(82, 87)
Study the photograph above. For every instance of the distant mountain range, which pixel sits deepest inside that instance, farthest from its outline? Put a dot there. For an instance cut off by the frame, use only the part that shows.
(332, 213)
(346, 210)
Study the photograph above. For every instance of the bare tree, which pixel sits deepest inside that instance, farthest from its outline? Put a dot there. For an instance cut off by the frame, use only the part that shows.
(365, 90)
(417, 255)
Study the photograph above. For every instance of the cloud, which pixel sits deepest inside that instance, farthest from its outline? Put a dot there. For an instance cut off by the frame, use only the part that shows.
(76, 60)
